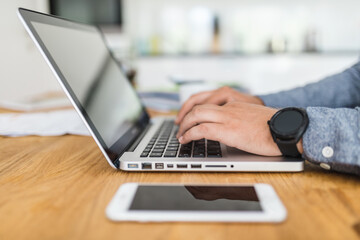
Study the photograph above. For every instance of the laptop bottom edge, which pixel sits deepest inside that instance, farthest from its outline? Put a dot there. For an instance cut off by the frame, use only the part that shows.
(204, 166)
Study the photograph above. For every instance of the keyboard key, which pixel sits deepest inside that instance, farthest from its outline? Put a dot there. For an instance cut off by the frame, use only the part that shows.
(159, 147)
(172, 148)
(174, 145)
(199, 154)
(213, 152)
(155, 154)
(170, 154)
(185, 150)
(186, 146)
(212, 149)
(144, 154)
(214, 155)
(157, 150)
(184, 153)
(199, 150)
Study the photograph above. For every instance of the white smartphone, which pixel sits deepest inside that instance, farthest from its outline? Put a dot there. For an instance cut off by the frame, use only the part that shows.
(196, 203)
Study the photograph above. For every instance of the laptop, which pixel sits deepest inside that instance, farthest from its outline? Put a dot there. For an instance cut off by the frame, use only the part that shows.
(113, 112)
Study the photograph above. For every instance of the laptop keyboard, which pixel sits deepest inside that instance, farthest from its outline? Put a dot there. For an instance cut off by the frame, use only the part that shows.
(165, 144)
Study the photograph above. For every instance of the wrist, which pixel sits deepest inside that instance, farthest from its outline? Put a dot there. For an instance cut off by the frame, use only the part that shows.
(299, 146)
(258, 100)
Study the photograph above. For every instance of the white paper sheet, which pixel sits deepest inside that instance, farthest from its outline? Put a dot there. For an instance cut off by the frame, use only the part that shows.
(52, 123)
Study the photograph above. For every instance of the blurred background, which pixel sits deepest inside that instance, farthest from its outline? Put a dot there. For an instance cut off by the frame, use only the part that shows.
(262, 46)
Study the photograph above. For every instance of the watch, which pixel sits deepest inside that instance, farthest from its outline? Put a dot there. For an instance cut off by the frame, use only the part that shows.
(287, 126)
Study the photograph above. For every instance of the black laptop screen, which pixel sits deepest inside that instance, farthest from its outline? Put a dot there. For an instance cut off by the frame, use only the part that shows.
(94, 80)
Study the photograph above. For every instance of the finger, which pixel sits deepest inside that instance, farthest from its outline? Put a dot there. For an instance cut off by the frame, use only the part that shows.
(200, 114)
(218, 99)
(190, 103)
(212, 131)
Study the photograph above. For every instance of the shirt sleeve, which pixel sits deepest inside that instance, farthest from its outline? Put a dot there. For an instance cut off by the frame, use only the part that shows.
(339, 90)
(332, 139)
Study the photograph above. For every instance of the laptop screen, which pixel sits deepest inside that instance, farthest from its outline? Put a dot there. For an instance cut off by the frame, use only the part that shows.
(94, 80)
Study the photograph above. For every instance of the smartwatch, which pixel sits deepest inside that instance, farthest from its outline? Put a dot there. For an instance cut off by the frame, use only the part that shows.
(287, 126)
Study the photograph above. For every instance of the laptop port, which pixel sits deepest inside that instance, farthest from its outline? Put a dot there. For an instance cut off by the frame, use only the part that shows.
(133, 165)
(218, 166)
(181, 165)
(170, 165)
(195, 165)
(159, 165)
(146, 166)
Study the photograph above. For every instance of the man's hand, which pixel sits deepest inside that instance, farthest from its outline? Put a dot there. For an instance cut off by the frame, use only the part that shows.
(219, 97)
(236, 124)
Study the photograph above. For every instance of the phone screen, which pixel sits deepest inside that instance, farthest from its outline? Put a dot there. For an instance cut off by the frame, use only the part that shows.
(195, 198)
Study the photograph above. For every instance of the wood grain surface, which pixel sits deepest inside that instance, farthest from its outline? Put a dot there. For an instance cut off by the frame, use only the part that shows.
(58, 188)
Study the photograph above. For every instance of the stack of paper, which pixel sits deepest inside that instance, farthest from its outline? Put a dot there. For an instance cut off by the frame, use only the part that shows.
(43, 124)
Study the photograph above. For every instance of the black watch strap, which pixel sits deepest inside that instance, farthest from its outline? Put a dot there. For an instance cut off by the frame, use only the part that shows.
(288, 149)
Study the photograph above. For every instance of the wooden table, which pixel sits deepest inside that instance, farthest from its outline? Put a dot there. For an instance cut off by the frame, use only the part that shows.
(58, 188)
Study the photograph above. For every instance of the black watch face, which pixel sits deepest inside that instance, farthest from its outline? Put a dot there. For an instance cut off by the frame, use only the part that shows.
(288, 122)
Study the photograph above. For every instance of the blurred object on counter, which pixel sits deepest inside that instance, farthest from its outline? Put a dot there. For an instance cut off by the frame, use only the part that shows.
(216, 36)
(311, 41)
(277, 45)
(182, 80)
(160, 101)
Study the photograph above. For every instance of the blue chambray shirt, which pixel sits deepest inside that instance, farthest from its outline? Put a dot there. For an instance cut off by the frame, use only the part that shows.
(332, 104)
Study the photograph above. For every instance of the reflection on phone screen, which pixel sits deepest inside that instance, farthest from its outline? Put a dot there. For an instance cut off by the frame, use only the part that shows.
(196, 198)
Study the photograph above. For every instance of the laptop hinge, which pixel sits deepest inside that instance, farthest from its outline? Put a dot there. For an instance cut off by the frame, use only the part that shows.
(138, 139)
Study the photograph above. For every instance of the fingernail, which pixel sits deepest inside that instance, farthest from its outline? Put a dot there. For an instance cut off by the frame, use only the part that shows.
(181, 139)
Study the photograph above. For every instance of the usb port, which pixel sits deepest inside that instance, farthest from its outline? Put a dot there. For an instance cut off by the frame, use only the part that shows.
(159, 165)
(195, 165)
(146, 165)
(170, 165)
(133, 165)
(181, 165)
